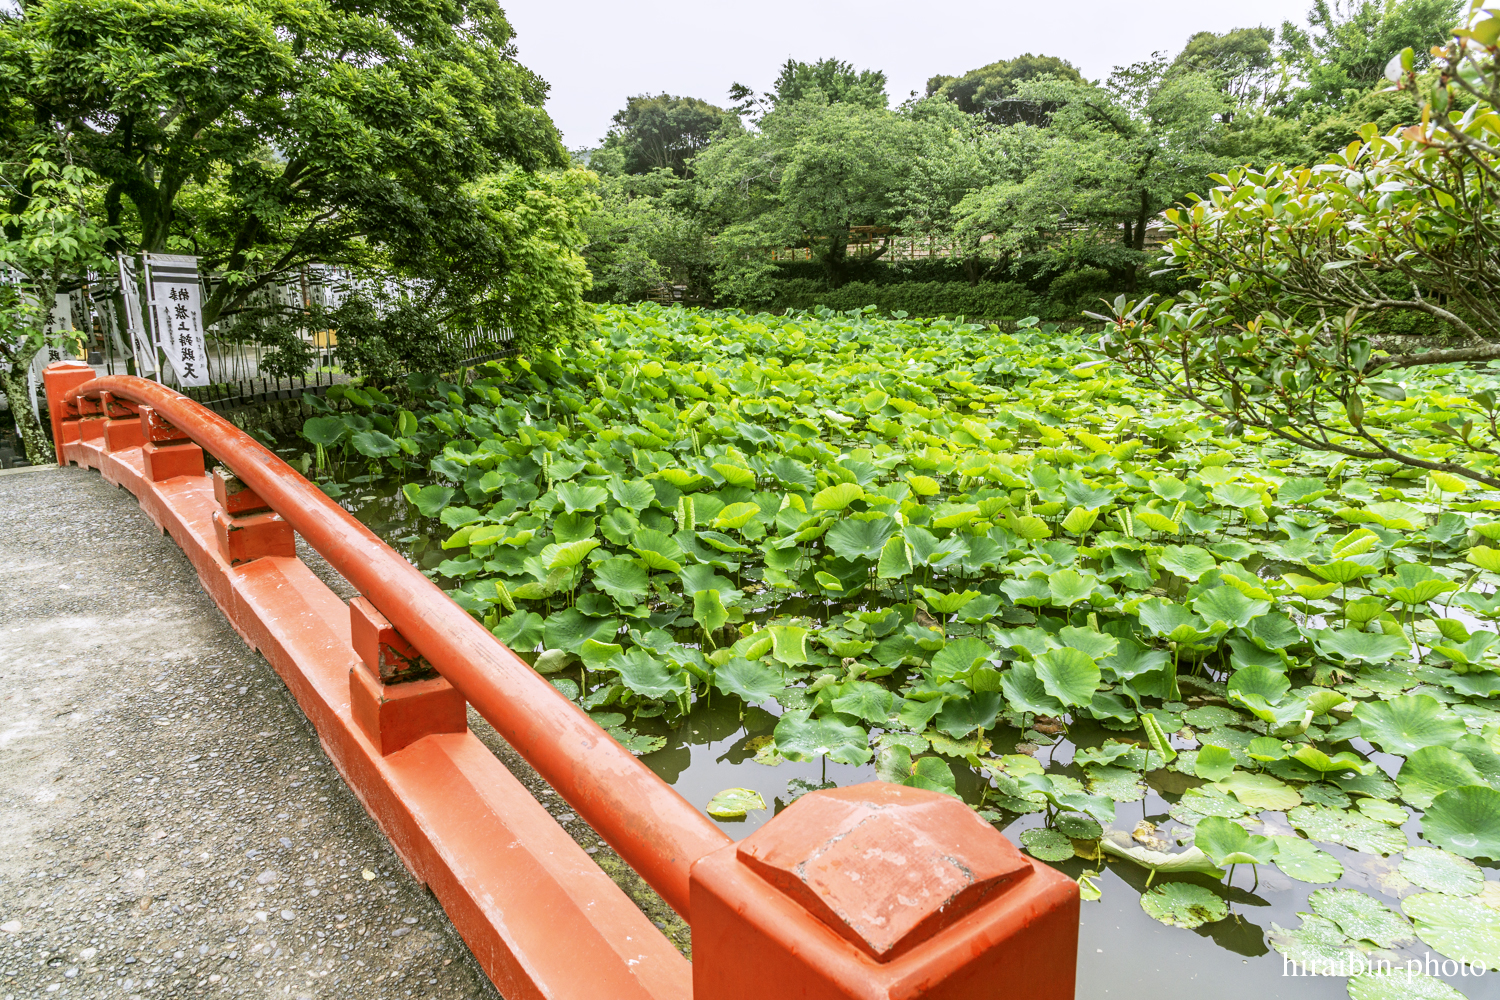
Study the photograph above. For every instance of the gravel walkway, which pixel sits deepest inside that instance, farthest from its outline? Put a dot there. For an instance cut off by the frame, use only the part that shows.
(171, 826)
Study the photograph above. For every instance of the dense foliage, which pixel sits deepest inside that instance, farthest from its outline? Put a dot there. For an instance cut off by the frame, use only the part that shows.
(263, 136)
(1298, 267)
(1022, 171)
(938, 548)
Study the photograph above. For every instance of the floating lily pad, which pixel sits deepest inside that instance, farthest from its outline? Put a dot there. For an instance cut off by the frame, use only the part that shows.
(1436, 869)
(1386, 812)
(1078, 826)
(1333, 826)
(1260, 791)
(1118, 783)
(1182, 904)
(1318, 947)
(1400, 984)
(734, 803)
(1048, 845)
(1466, 821)
(1361, 917)
(1461, 927)
(1306, 862)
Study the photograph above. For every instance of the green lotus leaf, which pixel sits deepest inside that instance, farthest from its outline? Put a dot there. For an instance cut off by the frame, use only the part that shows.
(1337, 826)
(325, 431)
(1260, 791)
(1430, 771)
(946, 604)
(1414, 583)
(1361, 917)
(1407, 723)
(658, 550)
(1303, 861)
(1024, 692)
(895, 559)
(568, 555)
(854, 538)
(1341, 571)
(801, 737)
(1213, 763)
(1311, 756)
(1183, 904)
(1440, 871)
(735, 516)
(1466, 821)
(1356, 645)
(751, 680)
(1068, 675)
(1228, 606)
(1460, 927)
(837, 497)
(734, 475)
(1068, 586)
(1048, 845)
(789, 644)
(1228, 843)
(521, 631)
(959, 658)
(961, 716)
(1400, 984)
(647, 676)
(1187, 561)
(580, 496)
(708, 610)
(865, 700)
(428, 500)
(623, 579)
(734, 803)
(1157, 738)
(1118, 844)
(567, 629)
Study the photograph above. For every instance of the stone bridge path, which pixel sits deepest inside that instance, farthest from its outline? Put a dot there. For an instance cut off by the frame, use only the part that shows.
(171, 826)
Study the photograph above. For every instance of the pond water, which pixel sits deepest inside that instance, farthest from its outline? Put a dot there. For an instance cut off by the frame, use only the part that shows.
(1123, 952)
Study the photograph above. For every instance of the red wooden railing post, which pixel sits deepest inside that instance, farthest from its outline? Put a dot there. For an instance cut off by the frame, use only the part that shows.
(246, 526)
(168, 452)
(881, 891)
(59, 378)
(395, 695)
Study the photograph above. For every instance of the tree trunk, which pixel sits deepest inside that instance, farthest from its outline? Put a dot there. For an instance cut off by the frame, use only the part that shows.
(38, 451)
(1129, 236)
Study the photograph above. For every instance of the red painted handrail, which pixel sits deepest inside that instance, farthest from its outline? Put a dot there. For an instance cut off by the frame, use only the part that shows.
(652, 827)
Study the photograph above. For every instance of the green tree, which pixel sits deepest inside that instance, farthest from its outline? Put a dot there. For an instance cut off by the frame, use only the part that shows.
(993, 91)
(1342, 54)
(828, 81)
(664, 132)
(811, 171)
(263, 135)
(1243, 61)
(1294, 264)
(1113, 156)
(646, 235)
(47, 239)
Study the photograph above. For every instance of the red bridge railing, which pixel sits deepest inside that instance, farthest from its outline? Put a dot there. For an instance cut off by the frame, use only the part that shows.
(873, 891)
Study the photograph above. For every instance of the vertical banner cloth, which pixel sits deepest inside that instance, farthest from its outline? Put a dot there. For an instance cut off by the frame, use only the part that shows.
(140, 344)
(175, 296)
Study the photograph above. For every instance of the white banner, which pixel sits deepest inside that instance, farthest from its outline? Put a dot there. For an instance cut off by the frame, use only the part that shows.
(175, 296)
(140, 344)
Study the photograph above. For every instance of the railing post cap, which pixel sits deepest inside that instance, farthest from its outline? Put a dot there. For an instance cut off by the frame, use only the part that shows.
(59, 367)
(885, 866)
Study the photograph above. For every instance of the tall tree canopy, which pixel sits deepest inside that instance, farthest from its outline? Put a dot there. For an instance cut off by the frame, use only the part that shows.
(263, 135)
(1342, 54)
(660, 133)
(993, 91)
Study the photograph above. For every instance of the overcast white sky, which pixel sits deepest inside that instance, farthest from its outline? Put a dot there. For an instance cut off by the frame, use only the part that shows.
(596, 53)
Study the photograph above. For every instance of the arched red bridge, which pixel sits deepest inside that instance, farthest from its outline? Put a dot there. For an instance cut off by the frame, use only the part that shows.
(875, 891)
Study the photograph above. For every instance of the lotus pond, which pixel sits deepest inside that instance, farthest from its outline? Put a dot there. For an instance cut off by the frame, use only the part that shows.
(1244, 694)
